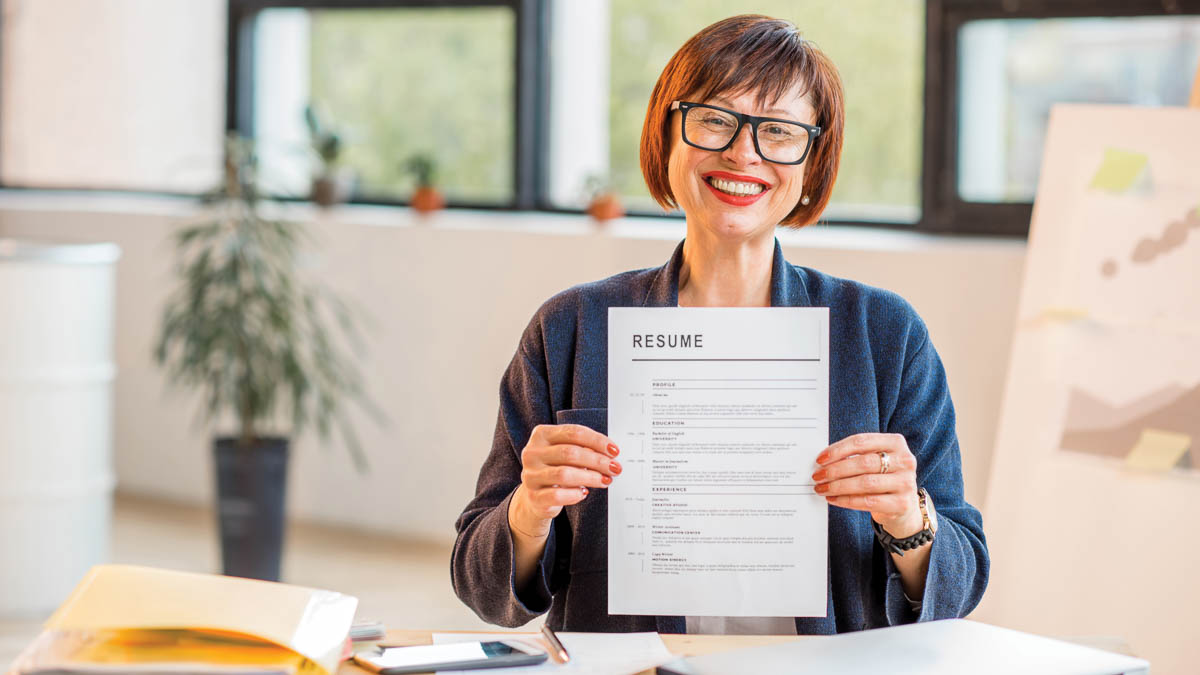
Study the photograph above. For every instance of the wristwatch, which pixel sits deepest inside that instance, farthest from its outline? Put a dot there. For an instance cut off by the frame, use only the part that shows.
(928, 529)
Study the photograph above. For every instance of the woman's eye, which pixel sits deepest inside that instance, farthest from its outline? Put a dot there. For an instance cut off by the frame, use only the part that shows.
(715, 121)
(777, 131)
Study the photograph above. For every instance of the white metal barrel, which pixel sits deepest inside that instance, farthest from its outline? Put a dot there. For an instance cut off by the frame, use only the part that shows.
(56, 378)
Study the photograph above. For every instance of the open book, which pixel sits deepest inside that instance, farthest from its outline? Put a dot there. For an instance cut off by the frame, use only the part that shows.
(123, 618)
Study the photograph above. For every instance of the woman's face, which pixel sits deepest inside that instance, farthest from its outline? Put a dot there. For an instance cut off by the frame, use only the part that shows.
(691, 172)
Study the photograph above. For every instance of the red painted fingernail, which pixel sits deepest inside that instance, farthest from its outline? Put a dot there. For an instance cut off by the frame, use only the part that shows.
(822, 457)
(584, 491)
(613, 450)
(822, 488)
(614, 467)
(819, 475)
(606, 479)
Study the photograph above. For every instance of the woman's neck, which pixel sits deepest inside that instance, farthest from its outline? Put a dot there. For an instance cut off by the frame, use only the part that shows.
(721, 274)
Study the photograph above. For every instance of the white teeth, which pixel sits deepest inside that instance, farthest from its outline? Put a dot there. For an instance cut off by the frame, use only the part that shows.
(736, 188)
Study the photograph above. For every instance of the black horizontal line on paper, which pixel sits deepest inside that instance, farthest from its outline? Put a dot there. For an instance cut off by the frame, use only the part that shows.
(810, 360)
(696, 427)
(734, 379)
(740, 494)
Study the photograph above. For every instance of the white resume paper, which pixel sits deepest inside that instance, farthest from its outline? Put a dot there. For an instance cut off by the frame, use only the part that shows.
(720, 414)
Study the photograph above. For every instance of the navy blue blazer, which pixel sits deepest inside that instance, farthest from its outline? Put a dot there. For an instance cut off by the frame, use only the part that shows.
(885, 376)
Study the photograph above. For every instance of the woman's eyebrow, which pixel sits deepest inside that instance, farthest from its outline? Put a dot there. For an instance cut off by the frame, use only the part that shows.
(775, 112)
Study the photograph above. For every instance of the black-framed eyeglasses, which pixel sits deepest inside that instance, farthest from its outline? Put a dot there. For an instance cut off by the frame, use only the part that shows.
(776, 140)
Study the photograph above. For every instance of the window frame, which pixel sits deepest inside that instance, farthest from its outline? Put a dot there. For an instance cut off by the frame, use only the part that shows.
(530, 66)
(942, 210)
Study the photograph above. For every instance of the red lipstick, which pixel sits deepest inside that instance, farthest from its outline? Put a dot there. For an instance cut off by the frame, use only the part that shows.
(735, 200)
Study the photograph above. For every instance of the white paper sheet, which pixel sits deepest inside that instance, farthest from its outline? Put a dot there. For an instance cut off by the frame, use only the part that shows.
(591, 653)
(720, 414)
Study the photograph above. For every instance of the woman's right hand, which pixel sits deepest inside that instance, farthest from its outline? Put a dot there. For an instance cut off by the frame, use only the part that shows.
(559, 464)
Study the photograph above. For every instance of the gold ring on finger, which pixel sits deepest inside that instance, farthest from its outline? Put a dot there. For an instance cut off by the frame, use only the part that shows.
(885, 462)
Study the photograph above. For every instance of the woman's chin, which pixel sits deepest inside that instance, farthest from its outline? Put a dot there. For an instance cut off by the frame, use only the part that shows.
(735, 226)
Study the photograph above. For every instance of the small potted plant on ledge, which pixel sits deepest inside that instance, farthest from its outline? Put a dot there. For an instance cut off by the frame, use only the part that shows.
(604, 203)
(333, 183)
(427, 198)
(246, 328)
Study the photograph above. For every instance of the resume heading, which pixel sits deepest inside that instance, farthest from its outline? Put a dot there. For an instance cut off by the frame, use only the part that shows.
(669, 340)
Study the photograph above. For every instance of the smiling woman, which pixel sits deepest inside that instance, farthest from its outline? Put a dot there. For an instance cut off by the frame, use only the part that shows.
(744, 133)
(724, 66)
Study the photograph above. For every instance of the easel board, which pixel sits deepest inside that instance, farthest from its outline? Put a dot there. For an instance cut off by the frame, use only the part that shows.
(1085, 539)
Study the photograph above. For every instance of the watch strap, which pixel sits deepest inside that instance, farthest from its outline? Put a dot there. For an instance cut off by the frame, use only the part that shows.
(899, 546)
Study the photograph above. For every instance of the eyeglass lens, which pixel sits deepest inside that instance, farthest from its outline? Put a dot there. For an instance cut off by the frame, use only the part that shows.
(778, 141)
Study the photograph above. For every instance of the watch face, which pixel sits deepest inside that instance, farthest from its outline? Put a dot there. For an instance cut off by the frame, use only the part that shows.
(930, 512)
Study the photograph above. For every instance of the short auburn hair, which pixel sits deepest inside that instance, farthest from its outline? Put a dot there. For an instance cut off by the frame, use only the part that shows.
(749, 53)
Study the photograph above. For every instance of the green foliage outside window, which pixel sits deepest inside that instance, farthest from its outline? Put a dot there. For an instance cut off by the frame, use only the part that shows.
(877, 46)
(435, 82)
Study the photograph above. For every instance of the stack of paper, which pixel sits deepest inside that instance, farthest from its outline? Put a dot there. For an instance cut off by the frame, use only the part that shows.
(138, 619)
(367, 631)
(591, 653)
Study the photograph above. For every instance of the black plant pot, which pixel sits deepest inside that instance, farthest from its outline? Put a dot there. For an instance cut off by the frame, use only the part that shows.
(251, 483)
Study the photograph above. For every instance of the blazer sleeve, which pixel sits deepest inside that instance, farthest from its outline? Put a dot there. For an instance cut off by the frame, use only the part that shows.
(958, 559)
(482, 566)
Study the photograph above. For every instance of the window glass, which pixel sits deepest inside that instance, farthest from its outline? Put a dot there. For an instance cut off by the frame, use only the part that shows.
(877, 46)
(394, 84)
(1011, 71)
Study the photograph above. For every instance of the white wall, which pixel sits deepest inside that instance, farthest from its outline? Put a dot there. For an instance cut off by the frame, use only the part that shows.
(123, 94)
(449, 297)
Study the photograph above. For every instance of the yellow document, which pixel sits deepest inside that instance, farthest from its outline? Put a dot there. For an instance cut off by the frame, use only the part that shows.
(185, 652)
(141, 612)
(1158, 450)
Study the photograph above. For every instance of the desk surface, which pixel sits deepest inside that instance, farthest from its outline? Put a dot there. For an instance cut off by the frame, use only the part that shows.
(679, 645)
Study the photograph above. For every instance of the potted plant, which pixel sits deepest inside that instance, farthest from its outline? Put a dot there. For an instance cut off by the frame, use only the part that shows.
(332, 184)
(427, 198)
(246, 328)
(604, 203)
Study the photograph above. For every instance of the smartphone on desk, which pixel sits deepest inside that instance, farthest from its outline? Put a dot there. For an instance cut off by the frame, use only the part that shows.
(456, 656)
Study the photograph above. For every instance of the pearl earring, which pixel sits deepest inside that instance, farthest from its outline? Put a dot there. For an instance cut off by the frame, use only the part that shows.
(804, 200)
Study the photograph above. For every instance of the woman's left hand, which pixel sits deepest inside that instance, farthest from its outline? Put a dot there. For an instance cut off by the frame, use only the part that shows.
(850, 476)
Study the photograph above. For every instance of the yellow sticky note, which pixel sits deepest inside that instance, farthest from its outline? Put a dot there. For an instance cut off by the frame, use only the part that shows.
(1065, 313)
(1119, 170)
(1158, 450)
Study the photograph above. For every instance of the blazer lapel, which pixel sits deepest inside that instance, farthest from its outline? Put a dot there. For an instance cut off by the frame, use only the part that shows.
(664, 287)
(787, 286)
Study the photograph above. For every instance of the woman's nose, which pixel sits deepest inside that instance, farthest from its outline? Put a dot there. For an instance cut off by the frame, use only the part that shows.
(742, 151)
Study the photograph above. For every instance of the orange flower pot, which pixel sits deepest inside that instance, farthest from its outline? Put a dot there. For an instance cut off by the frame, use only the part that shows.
(605, 207)
(427, 199)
